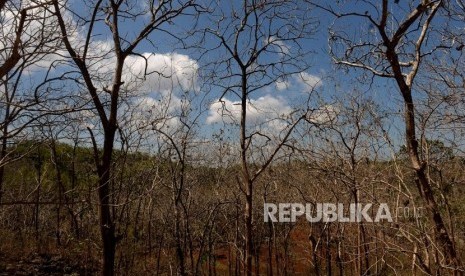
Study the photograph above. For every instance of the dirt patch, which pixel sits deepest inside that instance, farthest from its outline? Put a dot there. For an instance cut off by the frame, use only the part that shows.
(41, 264)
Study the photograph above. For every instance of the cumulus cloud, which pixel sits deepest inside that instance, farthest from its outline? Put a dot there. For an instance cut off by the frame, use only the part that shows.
(259, 110)
(324, 114)
(156, 82)
(165, 70)
(153, 82)
(282, 85)
(281, 47)
(161, 72)
(38, 27)
(308, 81)
(42, 35)
(302, 82)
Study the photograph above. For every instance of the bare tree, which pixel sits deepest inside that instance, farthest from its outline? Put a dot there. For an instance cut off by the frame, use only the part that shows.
(392, 45)
(106, 98)
(257, 44)
(27, 39)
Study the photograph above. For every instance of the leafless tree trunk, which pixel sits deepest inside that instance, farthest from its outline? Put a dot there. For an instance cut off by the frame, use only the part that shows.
(393, 64)
(112, 13)
(245, 36)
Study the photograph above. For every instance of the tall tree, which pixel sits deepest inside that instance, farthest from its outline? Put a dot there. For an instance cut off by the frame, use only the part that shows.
(393, 45)
(149, 17)
(257, 44)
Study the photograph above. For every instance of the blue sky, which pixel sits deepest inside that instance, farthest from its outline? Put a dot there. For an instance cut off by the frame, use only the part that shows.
(332, 82)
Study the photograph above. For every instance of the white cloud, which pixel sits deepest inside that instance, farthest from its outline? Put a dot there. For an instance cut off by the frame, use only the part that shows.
(167, 71)
(324, 114)
(258, 110)
(309, 82)
(146, 113)
(39, 26)
(161, 72)
(281, 47)
(282, 85)
(302, 82)
(156, 80)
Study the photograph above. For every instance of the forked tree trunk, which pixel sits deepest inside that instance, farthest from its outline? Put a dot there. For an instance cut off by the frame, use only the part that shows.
(442, 235)
(405, 86)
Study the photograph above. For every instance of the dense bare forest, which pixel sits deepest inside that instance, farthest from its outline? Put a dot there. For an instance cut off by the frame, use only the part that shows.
(245, 137)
